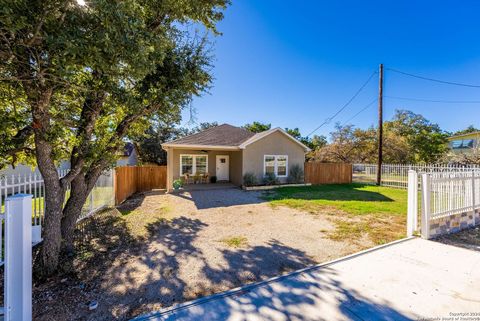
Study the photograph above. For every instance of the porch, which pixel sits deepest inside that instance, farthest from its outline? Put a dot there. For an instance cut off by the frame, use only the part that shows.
(202, 169)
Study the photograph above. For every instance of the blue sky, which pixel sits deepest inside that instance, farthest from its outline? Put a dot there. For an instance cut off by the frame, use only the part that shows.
(294, 64)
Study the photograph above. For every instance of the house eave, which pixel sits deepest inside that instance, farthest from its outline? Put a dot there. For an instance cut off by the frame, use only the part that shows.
(201, 147)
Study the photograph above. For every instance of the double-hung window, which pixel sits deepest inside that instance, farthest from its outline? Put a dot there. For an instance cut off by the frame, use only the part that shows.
(276, 164)
(193, 164)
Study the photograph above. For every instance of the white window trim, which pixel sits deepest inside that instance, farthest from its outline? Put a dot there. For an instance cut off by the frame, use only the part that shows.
(275, 166)
(194, 162)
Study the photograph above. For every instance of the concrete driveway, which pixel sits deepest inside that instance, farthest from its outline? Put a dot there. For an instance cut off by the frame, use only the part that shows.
(407, 280)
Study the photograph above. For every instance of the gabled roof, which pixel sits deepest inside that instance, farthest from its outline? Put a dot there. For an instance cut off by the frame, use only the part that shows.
(226, 137)
(219, 136)
(259, 136)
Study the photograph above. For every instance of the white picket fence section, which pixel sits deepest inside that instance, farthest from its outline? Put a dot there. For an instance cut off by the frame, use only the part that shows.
(22, 211)
(396, 175)
(451, 196)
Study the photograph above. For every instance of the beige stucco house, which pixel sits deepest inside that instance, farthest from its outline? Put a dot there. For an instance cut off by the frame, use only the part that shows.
(228, 152)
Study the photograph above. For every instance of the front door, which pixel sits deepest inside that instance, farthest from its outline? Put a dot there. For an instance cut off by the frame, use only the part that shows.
(223, 167)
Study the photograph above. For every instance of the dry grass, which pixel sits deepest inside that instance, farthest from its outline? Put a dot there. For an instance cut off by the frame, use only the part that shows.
(235, 242)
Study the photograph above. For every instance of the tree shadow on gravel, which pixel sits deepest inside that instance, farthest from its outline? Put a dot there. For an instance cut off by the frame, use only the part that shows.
(130, 275)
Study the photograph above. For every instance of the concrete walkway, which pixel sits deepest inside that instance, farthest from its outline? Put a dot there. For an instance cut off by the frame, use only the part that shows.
(407, 280)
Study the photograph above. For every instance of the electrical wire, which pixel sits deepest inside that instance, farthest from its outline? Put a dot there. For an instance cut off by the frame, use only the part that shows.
(436, 100)
(433, 79)
(328, 120)
(361, 110)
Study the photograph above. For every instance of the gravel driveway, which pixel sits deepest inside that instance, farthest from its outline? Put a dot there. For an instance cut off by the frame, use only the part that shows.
(195, 243)
(190, 255)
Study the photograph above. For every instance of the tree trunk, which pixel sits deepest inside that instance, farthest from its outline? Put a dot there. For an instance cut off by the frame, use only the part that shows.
(54, 198)
(81, 186)
(72, 210)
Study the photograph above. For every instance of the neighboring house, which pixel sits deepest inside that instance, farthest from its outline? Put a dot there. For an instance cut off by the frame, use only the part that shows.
(464, 143)
(228, 152)
(129, 155)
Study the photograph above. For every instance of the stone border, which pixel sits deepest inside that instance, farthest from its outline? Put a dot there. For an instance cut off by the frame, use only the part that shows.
(453, 223)
(267, 187)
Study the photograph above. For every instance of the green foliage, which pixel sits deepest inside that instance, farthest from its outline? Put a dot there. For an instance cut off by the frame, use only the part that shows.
(314, 143)
(408, 138)
(177, 183)
(270, 179)
(427, 142)
(122, 61)
(76, 81)
(249, 179)
(296, 174)
(257, 127)
(470, 129)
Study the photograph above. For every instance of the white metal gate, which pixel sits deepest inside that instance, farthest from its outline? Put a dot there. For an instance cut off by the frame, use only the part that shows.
(449, 202)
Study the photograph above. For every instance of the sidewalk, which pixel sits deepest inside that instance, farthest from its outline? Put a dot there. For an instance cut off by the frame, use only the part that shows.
(406, 280)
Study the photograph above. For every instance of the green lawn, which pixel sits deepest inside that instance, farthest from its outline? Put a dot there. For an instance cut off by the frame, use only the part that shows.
(357, 210)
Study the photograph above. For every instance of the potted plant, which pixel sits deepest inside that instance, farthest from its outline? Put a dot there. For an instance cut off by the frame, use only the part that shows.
(213, 179)
(177, 184)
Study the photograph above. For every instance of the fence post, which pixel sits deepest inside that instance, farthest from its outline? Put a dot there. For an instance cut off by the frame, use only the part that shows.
(426, 188)
(412, 212)
(473, 198)
(18, 258)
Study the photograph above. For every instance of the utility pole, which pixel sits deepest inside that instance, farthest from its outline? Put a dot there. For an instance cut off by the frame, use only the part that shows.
(380, 125)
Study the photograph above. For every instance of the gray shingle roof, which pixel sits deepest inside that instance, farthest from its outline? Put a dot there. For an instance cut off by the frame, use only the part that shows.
(222, 135)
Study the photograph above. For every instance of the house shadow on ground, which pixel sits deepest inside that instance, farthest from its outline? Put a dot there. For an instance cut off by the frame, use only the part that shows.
(205, 199)
(332, 192)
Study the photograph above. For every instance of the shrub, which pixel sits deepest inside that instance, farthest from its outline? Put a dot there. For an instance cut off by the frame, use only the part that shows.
(296, 175)
(213, 179)
(249, 179)
(270, 179)
(177, 183)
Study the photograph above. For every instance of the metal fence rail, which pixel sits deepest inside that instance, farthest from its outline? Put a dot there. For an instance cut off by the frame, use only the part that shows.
(453, 193)
(396, 175)
(102, 195)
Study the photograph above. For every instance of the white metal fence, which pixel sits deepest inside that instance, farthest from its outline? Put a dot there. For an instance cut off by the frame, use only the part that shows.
(396, 175)
(101, 196)
(450, 201)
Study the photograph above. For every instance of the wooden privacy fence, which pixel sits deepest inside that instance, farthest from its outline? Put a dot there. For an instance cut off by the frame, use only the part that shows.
(133, 179)
(328, 173)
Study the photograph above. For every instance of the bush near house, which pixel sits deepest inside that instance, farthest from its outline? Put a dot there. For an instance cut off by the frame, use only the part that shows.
(249, 179)
(270, 179)
(296, 175)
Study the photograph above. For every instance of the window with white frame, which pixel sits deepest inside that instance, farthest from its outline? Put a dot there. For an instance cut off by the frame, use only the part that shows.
(193, 164)
(276, 164)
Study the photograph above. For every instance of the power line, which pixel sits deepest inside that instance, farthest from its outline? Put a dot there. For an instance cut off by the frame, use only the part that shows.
(436, 100)
(361, 111)
(328, 120)
(434, 80)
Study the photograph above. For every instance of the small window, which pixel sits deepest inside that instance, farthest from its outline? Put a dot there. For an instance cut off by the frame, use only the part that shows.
(201, 164)
(269, 164)
(281, 165)
(193, 164)
(463, 143)
(276, 164)
(186, 166)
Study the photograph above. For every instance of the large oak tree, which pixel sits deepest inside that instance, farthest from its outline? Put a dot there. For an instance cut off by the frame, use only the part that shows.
(77, 78)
